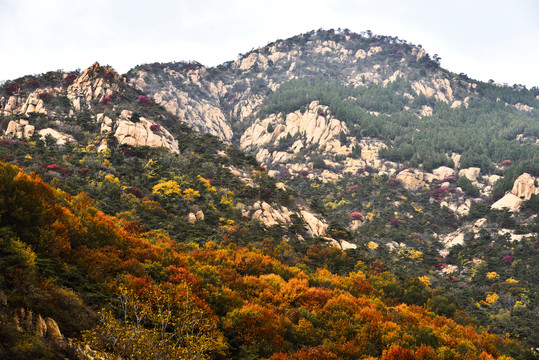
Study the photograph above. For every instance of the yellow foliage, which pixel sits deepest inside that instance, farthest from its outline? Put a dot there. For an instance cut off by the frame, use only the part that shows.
(511, 281)
(425, 280)
(372, 245)
(334, 205)
(415, 255)
(492, 275)
(167, 188)
(227, 200)
(207, 184)
(519, 305)
(28, 156)
(105, 153)
(190, 194)
(492, 298)
(370, 216)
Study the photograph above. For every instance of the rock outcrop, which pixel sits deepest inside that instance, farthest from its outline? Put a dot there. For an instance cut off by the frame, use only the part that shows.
(471, 173)
(26, 321)
(59, 137)
(141, 133)
(411, 179)
(525, 186)
(95, 83)
(509, 201)
(19, 129)
(201, 108)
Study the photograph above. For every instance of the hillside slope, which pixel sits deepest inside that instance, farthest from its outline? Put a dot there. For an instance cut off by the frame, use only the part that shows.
(377, 186)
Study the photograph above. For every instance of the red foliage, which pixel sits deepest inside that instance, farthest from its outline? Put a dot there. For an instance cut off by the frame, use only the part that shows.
(321, 352)
(355, 215)
(506, 163)
(377, 267)
(155, 127)
(69, 79)
(135, 191)
(46, 95)
(144, 101)
(396, 222)
(107, 100)
(507, 260)
(12, 88)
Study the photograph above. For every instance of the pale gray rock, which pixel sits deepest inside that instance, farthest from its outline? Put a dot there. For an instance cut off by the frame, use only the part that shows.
(509, 201)
(524, 187)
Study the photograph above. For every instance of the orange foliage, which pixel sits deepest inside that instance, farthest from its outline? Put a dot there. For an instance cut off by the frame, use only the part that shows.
(426, 353)
(397, 353)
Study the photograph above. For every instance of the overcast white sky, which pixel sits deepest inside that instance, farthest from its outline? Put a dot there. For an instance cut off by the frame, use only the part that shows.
(486, 39)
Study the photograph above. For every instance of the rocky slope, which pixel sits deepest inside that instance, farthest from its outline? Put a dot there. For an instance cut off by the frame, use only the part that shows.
(92, 94)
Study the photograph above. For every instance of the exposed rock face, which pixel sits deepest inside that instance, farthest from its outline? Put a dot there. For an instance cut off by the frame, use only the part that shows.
(509, 201)
(524, 187)
(314, 128)
(94, 84)
(19, 129)
(471, 173)
(61, 138)
(443, 172)
(27, 321)
(316, 226)
(201, 109)
(450, 240)
(411, 179)
(53, 331)
(34, 104)
(142, 133)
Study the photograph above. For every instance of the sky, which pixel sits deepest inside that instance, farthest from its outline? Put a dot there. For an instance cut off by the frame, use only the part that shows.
(485, 39)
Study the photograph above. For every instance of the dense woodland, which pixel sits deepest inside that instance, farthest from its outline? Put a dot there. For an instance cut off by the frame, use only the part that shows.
(101, 241)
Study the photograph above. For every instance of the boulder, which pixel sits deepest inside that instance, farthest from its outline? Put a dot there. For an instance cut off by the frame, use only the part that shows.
(411, 179)
(524, 187)
(191, 218)
(61, 138)
(443, 172)
(41, 326)
(471, 173)
(53, 332)
(199, 215)
(143, 133)
(509, 201)
(315, 225)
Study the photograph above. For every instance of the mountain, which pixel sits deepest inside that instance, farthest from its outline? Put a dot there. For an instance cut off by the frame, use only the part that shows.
(332, 195)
